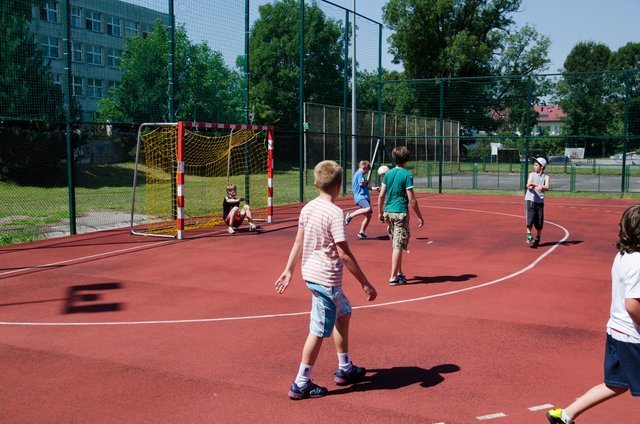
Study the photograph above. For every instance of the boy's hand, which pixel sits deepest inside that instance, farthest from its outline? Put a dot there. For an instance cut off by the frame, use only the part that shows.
(370, 291)
(241, 199)
(283, 282)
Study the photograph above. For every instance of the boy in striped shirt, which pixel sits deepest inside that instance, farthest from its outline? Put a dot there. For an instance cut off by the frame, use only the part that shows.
(321, 242)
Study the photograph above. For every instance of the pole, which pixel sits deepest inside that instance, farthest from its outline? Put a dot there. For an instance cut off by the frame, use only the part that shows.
(67, 78)
(170, 88)
(354, 111)
(301, 102)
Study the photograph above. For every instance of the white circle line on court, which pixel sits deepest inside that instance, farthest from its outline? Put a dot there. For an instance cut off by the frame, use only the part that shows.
(291, 314)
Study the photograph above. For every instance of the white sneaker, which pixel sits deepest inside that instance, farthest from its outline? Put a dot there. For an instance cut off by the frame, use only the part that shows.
(231, 230)
(252, 227)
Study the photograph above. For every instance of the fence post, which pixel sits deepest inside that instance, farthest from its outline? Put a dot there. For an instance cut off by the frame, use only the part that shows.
(474, 176)
(67, 77)
(572, 179)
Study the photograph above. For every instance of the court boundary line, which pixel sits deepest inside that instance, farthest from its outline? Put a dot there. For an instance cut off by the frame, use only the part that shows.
(291, 314)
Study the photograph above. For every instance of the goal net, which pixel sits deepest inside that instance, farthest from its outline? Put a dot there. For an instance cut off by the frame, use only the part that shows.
(182, 170)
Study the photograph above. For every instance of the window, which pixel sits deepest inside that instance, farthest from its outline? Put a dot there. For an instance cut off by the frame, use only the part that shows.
(114, 26)
(76, 86)
(50, 47)
(95, 88)
(130, 28)
(76, 17)
(112, 86)
(76, 52)
(146, 29)
(49, 12)
(94, 22)
(113, 58)
(94, 54)
(57, 79)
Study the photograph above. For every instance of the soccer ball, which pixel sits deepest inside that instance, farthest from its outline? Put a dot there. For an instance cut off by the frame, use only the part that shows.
(382, 170)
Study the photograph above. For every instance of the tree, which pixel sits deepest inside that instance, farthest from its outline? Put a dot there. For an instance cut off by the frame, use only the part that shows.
(627, 58)
(27, 91)
(446, 38)
(452, 40)
(274, 61)
(585, 95)
(205, 89)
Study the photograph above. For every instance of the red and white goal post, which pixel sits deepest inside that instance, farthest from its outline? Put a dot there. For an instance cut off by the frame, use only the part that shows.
(182, 170)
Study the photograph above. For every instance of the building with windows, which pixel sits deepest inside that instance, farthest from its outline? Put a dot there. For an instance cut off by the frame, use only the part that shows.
(99, 29)
(550, 119)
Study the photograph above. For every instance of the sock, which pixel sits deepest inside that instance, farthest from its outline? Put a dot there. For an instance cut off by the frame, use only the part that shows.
(343, 361)
(304, 374)
(566, 418)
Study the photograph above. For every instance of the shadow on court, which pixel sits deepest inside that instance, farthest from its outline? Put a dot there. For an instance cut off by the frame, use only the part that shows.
(398, 377)
(440, 279)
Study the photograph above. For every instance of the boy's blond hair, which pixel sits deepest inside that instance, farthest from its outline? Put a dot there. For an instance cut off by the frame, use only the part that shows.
(327, 174)
(364, 164)
(231, 187)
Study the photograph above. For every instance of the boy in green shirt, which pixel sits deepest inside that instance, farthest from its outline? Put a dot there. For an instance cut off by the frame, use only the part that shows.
(395, 198)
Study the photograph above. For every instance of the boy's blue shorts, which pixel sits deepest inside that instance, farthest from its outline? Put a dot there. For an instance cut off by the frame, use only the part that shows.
(622, 365)
(363, 203)
(327, 303)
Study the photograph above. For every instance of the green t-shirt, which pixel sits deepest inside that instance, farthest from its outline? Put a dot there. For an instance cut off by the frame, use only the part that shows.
(398, 181)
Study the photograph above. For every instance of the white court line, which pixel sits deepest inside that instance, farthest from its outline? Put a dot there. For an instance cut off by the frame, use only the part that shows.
(377, 305)
(491, 416)
(540, 407)
(83, 258)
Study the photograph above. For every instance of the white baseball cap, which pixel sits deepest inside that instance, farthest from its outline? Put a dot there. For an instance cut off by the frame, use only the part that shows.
(542, 162)
(383, 169)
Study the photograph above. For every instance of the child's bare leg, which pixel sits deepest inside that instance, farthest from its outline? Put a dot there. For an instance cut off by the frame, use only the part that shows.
(311, 349)
(366, 220)
(341, 333)
(232, 215)
(396, 262)
(247, 212)
(594, 396)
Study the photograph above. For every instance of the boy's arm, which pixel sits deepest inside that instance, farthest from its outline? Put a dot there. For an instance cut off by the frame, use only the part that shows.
(381, 199)
(413, 204)
(633, 308)
(530, 183)
(296, 250)
(352, 265)
(546, 185)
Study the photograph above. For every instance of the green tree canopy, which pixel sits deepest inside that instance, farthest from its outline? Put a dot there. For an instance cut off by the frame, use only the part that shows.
(274, 61)
(455, 40)
(627, 58)
(205, 88)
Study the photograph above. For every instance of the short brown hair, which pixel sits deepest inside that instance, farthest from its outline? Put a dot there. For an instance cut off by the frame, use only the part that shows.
(629, 235)
(327, 174)
(231, 187)
(400, 154)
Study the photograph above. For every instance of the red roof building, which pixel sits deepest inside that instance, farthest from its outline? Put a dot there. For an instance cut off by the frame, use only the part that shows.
(550, 119)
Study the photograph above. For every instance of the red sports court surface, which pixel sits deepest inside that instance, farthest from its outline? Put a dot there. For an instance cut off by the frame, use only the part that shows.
(109, 327)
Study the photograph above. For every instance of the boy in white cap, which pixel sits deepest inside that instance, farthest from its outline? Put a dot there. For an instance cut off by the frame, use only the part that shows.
(537, 185)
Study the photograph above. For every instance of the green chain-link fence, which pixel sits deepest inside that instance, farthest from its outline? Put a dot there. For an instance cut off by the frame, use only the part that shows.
(78, 77)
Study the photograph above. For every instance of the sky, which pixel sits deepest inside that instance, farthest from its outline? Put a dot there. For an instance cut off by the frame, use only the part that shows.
(565, 22)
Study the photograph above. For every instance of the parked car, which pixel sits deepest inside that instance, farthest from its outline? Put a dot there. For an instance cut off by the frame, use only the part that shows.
(559, 159)
(632, 158)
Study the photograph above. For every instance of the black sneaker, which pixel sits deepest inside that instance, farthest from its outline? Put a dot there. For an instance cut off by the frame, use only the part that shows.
(309, 390)
(394, 282)
(536, 242)
(362, 235)
(347, 218)
(401, 279)
(354, 375)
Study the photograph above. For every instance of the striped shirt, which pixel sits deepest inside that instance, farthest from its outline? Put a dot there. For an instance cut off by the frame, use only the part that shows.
(323, 224)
